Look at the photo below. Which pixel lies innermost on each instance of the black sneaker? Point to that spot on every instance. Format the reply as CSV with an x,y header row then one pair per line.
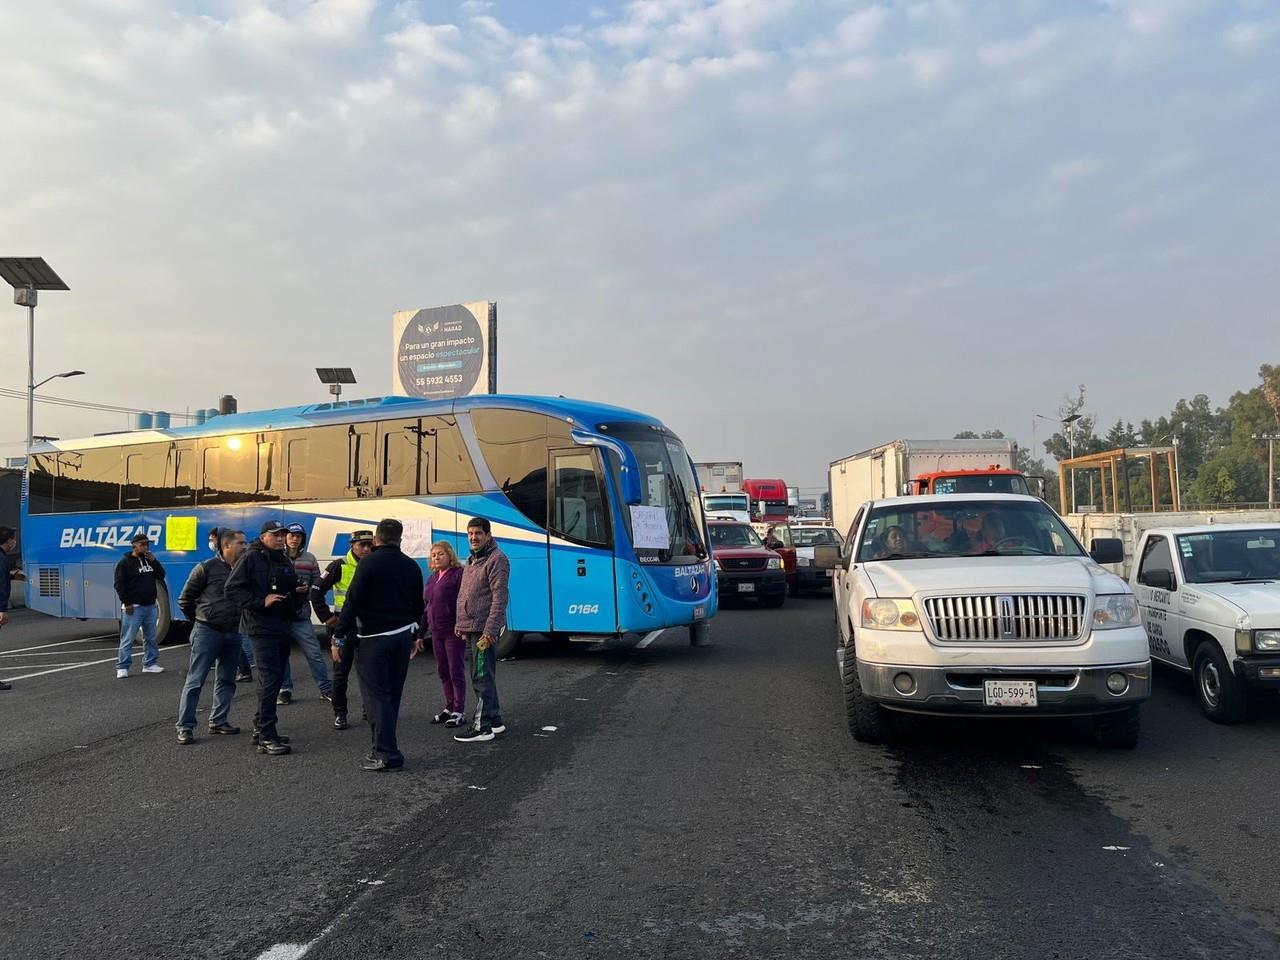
x,y
274,748
474,736
225,729
340,721
186,736
257,738
442,716
244,676
5,685
499,728
285,698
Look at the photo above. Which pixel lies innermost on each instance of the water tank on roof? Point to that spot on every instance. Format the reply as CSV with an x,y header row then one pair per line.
x,y
210,413
226,404
161,420
200,417
142,421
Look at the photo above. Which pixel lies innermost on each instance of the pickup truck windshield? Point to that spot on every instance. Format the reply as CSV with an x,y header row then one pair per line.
x,y
733,535
1224,556
972,528
815,537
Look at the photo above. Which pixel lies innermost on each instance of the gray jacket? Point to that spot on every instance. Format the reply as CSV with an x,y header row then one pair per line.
x,y
202,598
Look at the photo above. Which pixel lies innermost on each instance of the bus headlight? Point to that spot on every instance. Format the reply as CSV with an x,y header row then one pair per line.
x,y
1116,610
775,563
882,614
1267,641
716,563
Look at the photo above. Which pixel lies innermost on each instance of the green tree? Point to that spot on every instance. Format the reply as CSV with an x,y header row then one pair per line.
x,y
1237,471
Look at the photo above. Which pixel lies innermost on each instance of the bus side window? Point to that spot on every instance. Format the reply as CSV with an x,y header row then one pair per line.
x,y
515,447
579,510
361,459
295,466
230,470
268,486
88,480
446,465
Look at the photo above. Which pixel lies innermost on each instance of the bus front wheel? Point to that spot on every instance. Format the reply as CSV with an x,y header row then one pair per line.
x,y
508,641
169,630
699,633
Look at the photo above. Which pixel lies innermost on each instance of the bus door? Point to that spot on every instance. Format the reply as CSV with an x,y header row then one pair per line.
x,y
581,544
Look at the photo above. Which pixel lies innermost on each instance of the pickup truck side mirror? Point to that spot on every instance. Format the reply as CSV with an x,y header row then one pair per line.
x,y
1161,580
826,557
1106,550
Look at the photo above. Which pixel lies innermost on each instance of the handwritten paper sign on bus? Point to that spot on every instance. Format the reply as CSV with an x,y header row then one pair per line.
x,y
649,528
180,533
416,539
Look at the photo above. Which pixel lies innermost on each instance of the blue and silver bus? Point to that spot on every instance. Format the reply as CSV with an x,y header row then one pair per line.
x,y
596,506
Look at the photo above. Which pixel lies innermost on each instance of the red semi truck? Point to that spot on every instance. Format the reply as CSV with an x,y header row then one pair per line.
x,y
768,500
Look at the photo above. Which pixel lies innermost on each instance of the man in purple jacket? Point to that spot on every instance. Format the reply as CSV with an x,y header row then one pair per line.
x,y
482,616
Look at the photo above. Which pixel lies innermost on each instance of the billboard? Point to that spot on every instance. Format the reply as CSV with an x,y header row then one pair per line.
x,y
443,352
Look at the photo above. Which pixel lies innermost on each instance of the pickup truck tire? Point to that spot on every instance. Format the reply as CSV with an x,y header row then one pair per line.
x,y
868,721
1222,697
1117,730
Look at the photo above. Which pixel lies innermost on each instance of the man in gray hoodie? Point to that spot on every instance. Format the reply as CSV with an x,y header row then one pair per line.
x,y
304,632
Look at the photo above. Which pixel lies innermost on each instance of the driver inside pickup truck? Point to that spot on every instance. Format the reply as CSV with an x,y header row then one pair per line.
x,y
993,533
895,543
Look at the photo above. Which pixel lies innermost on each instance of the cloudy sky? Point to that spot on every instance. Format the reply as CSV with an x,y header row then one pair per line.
x,y
790,228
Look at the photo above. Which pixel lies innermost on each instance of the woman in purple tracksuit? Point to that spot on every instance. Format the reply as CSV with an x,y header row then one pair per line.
x,y
439,617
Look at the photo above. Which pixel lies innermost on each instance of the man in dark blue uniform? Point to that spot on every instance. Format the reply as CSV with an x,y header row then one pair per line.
x,y
382,611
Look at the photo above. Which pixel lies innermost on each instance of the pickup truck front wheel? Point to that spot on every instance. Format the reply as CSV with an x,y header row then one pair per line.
x,y
868,721
1117,730
1222,697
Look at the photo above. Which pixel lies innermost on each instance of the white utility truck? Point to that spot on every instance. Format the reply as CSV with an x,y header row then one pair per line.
x,y
727,506
983,604
1210,599
719,476
921,467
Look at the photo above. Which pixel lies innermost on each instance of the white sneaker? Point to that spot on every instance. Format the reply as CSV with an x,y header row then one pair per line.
x,y
121,674
500,728
154,668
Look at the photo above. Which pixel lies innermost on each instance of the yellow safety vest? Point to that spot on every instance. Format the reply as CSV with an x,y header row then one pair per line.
x,y
344,582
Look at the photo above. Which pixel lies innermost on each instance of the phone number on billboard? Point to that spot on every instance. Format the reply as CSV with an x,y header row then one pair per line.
x,y
437,381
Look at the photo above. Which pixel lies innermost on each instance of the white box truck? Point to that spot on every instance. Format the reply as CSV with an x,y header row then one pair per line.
x,y
922,467
721,476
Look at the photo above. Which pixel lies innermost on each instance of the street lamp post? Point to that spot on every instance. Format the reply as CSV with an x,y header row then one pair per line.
x,y
1070,424
27,275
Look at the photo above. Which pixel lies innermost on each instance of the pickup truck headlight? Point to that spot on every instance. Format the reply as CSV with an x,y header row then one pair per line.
x,y
1267,641
1116,610
882,614
775,563
803,562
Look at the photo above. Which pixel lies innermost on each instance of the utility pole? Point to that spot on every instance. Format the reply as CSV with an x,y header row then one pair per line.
x,y
1271,439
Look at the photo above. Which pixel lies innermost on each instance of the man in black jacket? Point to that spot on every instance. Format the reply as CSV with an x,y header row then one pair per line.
x,y
135,580
337,577
263,587
382,612
215,638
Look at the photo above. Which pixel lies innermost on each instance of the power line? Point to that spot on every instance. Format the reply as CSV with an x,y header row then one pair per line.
x,y
83,404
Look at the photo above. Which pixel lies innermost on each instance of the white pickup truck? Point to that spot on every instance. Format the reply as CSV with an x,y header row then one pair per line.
x,y
983,604
1210,599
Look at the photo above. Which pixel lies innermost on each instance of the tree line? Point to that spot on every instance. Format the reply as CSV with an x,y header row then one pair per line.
x,y
1220,463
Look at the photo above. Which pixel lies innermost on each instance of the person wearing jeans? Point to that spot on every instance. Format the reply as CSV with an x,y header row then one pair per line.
x,y
304,634
136,576
215,638
482,616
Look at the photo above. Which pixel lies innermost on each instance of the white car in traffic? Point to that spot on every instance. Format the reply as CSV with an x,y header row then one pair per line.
x,y
983,604
1210,599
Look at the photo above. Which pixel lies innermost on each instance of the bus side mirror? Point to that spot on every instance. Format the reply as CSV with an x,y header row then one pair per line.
x,y
826,557
629,470
1106,550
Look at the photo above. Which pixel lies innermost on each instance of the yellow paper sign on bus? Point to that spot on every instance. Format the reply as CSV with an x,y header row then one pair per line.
x,y
180,533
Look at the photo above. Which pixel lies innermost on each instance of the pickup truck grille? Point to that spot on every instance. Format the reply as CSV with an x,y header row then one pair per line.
x,y
753,563
1005,616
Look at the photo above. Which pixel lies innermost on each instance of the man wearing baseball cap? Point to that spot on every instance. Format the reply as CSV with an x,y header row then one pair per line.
x,y
337,577
136,576
263,585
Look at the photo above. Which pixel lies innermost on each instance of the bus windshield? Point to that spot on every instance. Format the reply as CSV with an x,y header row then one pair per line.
x,y
667,481
726,501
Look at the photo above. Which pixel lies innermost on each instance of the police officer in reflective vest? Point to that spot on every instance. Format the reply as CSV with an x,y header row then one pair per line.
x,y
337,577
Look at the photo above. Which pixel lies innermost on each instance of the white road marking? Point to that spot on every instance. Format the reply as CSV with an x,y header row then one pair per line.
x,y
63,643
44,653
650,637
549,729
1117,848
77,666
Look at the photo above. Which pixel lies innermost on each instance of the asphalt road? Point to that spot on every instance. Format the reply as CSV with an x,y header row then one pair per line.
x,y
660,802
